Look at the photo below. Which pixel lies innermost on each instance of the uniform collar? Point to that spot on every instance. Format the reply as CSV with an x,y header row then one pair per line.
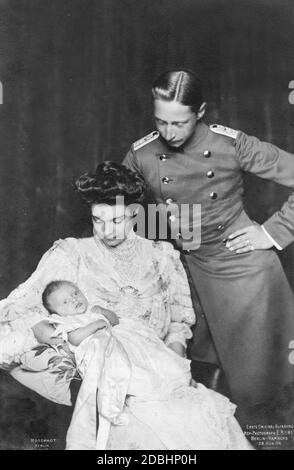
x,y
199,135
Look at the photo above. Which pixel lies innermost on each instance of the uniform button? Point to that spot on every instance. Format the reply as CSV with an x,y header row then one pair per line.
x,y
210,174
169,200
165,180
220,227
213,195
172,218
163,157
207,153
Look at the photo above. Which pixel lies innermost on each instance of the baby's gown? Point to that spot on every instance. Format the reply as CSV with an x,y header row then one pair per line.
x,y
144,398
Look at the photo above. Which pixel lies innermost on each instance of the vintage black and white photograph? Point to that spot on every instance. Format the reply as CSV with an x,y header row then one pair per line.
x,y
147,225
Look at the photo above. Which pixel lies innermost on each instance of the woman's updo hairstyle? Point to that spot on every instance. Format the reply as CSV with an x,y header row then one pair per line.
x,y
109,181
181,86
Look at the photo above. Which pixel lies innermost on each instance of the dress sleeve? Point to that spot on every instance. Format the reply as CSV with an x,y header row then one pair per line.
x,y
179,297
271,163
23,307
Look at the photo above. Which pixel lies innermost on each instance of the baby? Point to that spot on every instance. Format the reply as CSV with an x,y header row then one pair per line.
x,y
71,316
71,320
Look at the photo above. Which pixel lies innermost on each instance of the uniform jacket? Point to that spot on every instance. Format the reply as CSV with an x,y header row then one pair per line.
x,y
208,170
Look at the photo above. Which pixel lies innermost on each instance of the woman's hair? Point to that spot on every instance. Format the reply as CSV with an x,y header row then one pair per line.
x,y
109,181
181,86
49,289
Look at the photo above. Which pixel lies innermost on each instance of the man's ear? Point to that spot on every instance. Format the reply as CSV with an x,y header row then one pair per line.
x,y
201,111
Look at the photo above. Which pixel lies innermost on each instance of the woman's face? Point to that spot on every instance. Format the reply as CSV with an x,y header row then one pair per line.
x,y
112,224
174,121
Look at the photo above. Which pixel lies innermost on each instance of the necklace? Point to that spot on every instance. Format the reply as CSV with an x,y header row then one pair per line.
x,y
127,261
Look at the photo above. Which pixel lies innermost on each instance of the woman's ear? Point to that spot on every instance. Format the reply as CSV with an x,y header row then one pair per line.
x,y
136,211
201,111
132,210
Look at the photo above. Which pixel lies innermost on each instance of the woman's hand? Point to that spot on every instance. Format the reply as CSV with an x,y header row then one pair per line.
x,y
193,383
65,347
248,239
178,348
55,341
8,366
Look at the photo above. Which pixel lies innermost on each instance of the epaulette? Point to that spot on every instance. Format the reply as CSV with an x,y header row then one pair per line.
x,y
227,131
145,140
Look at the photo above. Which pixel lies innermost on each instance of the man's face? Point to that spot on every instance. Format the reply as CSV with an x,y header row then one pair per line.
x,y
111,224
67,300
174,121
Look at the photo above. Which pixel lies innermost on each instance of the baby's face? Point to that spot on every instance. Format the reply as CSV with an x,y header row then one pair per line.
x,y
68,300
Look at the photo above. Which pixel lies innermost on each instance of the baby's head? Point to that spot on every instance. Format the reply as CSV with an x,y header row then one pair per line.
x,y
64,298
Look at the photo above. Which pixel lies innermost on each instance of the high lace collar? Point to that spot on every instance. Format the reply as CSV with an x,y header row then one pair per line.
x,y
126,246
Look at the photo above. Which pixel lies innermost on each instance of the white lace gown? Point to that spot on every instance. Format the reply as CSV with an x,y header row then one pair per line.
x,y
144,398
142,281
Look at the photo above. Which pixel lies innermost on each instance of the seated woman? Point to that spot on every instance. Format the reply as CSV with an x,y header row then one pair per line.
x,y
142,281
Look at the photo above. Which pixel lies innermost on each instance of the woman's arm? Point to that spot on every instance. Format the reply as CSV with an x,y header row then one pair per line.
x,y
180,304
77,336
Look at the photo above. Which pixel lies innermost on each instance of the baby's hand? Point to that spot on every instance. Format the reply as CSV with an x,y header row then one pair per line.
x,y
108,314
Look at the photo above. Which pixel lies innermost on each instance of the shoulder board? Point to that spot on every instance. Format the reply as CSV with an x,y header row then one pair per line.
x,y
145,140
227,131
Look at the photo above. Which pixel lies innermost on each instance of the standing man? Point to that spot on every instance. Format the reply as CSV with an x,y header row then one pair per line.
x,y
247,301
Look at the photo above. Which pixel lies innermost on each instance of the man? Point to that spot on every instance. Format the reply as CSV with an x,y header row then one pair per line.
x,y
245,296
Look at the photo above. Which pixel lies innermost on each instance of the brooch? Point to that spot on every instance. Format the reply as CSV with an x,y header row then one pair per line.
x,y
129,290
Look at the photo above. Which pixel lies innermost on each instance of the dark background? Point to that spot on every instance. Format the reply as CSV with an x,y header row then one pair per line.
x,y
76,76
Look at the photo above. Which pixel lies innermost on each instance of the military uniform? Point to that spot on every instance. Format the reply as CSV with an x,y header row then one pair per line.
x,y
246,298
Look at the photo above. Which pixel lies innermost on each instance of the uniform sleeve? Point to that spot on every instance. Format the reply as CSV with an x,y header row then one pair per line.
x,y
179,298
23,307
271,163
131,161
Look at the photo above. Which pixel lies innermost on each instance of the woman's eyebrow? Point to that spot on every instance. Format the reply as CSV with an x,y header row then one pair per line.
x,y
118,217
113,219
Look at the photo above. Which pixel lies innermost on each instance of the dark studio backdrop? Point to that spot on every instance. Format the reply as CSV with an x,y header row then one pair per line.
x,y
76,79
